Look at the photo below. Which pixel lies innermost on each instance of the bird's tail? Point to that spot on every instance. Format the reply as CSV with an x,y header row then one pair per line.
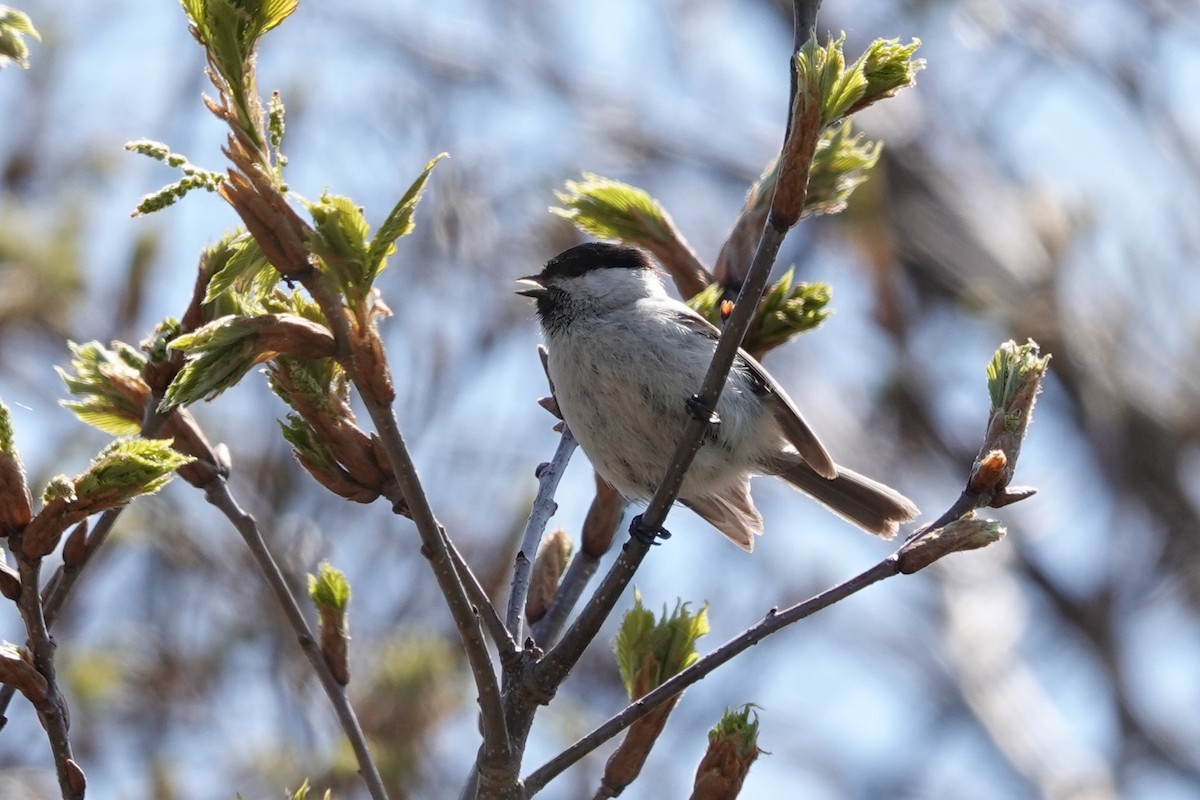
x,y
870,505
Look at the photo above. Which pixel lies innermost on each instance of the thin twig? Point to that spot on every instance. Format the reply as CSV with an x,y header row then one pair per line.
x,y
497,748
772,622
543,509
217,493
581,569
553,669
504,642
53,712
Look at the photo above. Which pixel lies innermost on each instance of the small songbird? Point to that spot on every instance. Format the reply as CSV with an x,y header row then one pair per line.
x,y
624,357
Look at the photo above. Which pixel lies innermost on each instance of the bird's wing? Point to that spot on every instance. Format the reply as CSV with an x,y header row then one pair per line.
x,y
795,429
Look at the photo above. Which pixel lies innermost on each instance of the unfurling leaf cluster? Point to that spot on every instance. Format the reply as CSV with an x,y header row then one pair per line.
x,y
329,587
125,469
1013,377
220,353
785,310
732,749
229,30
650,651
884,69
839,166
340,240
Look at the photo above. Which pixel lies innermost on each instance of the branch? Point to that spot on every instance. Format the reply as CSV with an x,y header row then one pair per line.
x,y
911,557
543,509
773,621
217,493
51,710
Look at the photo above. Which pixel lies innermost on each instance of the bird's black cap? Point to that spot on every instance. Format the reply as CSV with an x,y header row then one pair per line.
x,y
584,258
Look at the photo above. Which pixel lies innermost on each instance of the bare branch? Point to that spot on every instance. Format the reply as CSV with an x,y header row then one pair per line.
x,y
543,508
217,493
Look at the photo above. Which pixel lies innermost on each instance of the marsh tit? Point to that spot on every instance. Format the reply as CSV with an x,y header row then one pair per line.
x,y
624,357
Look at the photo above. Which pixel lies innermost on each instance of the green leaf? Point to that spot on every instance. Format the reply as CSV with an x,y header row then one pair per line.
x,y
399,222
241,275
339,240
839,166
1012,370
109,386
650,652
887,67
128,468
610,209
13,25
329,587
306,443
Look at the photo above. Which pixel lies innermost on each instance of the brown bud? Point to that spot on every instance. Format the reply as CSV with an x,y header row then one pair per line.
x,y
335,642
961,534
552,558
10,583
626,762
76,546
17,672
603,517
989,473
75,777
16,506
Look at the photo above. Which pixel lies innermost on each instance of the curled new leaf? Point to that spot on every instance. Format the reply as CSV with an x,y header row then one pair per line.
x,y
839,166
224,350
613,210
339,240
240,276
887,66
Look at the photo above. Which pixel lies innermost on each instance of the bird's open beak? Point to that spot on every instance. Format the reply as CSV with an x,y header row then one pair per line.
x,y
532,286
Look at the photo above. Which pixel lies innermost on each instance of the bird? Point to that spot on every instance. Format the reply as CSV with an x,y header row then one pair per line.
x,y
624,357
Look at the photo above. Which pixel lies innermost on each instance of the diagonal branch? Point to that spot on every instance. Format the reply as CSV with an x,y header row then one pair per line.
x,y
796,158
773,621
217,493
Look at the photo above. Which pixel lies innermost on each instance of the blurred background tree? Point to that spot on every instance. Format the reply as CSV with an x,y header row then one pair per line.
x,y
1038,182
